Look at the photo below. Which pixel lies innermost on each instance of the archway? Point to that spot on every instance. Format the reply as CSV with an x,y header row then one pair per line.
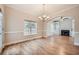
x,y
59,24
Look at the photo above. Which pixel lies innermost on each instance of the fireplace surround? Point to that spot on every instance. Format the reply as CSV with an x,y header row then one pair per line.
x,y
65,32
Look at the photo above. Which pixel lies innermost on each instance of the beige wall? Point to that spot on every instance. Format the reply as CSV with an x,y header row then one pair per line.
x,y
15,26
14,21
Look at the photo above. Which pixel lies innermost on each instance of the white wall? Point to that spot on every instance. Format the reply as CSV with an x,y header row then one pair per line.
x,y
66,24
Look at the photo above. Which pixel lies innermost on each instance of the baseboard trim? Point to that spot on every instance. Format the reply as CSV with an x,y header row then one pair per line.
x,y
20,41
14,32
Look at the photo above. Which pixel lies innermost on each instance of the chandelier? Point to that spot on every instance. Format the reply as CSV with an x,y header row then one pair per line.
x,y
44,16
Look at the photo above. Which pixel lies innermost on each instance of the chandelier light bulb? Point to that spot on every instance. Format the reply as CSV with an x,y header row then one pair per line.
x,y
44,16
48,17
40,17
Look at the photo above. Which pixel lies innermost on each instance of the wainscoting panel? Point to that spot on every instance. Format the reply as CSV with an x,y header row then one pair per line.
x,y
76,39
16,37
13,37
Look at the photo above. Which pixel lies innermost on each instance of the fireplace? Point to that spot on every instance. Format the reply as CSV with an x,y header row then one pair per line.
x,y
65,32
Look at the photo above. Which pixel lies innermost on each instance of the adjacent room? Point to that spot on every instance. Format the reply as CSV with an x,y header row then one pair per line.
x,y
39,29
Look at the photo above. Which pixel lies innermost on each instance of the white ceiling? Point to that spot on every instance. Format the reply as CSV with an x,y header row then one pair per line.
x,y
37,9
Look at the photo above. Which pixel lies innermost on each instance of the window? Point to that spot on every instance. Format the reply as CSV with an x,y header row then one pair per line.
x,y
30,27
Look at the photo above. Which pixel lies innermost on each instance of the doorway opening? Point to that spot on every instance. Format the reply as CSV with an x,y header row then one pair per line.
x,y
1,29
63,26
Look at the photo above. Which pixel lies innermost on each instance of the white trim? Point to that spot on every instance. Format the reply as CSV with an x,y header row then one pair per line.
x,y
14,32
77,44
14,42
76,32
76,39
73,27
2,32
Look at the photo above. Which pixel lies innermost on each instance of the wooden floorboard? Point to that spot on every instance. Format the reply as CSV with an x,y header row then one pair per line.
x,y
55,45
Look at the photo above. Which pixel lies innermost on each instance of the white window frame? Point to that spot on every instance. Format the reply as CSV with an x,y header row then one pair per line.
x,y
30,30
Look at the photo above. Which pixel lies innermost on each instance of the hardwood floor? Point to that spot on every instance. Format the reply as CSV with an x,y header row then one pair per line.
x,y
55,45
